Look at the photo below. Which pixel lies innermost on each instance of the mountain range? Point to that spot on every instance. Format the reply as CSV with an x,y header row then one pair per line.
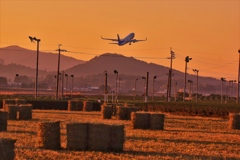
x,y
17,60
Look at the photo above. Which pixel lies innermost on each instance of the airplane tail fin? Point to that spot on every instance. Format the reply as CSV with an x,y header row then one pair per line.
x,y
118,37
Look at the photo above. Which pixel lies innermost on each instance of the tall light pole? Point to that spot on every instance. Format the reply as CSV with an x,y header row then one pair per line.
x,y
16,79
58,68
135,88
116,72
72,85
196,71
105,87
187,59
231,87
153,86
32,39
190,88
169,86
66,75
119,88
223,80
144,88
238,77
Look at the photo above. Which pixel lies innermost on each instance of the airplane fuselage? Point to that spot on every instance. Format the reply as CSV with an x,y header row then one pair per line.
x,y
127,39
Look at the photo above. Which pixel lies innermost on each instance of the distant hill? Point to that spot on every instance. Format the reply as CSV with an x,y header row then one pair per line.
x,y
25,57
11,70
131,66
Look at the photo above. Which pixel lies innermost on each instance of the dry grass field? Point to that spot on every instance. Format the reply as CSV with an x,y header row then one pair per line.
x,y
183,137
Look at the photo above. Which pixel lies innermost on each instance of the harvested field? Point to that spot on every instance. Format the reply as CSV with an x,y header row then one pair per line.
x,y
183,137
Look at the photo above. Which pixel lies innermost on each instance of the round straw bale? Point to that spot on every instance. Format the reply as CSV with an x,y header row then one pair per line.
x,y
87,106
98,137
8,101
234,120
48,135
122,112
3,121
106,112
156,121
77,136
7,149
140,120
117,137
21,101
25,111
12,111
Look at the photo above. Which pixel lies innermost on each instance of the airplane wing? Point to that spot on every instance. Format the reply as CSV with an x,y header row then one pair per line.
x,y
135,40
111,39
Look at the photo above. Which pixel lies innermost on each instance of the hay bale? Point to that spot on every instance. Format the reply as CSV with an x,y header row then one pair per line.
x,y
130,109
21,101
121,112
3,121
87,106
77,136
156,121
106,112
7,149
140,120
79,106
98,137
7,102
72,105
234,120
96,106
25,112
48,135
12,110
117,137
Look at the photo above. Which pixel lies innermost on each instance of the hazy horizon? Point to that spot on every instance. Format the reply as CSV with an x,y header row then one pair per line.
x,y
207,31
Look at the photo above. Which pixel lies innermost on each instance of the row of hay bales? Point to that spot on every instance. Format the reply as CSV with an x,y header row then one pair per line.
x,y
21,112
79,105
82,136
16,101
17,109
120,111
147,120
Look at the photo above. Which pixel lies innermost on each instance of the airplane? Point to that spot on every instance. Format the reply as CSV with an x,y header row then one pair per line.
x,y
129,39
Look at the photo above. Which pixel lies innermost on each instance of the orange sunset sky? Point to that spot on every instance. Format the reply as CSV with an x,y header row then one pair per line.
x,y
206,30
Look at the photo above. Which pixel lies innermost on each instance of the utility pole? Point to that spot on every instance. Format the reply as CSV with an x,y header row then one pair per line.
x,y
153,87
32,39
72,86
146,97
116,72
187,59
223,80
238,77
59,53
105,88
196,71
135,88
66,75
169,86
62,85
